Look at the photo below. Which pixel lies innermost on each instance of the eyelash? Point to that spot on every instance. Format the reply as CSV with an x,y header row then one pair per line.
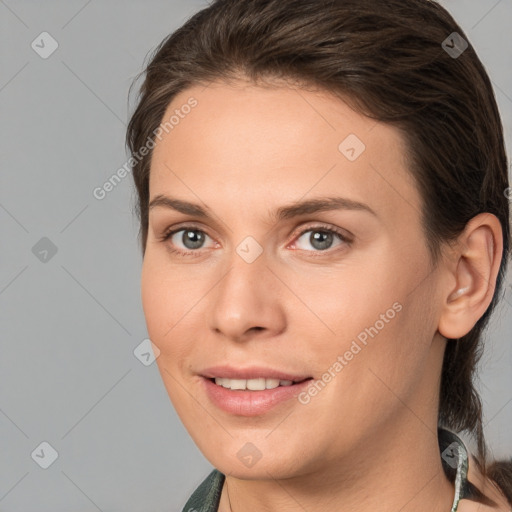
x,y
194,253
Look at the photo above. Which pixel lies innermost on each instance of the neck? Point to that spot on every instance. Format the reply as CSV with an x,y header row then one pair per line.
x,y
398,470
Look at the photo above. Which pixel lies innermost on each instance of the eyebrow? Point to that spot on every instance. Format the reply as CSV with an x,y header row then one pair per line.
x,y
282,213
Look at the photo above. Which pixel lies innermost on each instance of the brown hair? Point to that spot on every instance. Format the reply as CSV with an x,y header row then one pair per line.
x,y
388,60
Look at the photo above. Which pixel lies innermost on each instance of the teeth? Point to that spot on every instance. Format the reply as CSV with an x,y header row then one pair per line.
x,y
252,384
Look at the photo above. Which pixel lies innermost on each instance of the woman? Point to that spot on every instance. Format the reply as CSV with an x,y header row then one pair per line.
x,y
325,232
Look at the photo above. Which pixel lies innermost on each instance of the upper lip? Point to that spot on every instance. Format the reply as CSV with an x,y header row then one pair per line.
x,y
252,372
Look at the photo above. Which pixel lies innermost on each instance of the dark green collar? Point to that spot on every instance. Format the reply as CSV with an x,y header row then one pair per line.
x,y
206,497
454,457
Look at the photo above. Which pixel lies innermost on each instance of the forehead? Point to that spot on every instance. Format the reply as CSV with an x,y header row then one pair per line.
x,y
253,144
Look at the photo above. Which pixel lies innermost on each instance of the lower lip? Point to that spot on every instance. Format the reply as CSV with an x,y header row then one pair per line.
x,y
251,403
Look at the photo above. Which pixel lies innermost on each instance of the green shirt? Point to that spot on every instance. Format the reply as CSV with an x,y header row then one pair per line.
x,y
454,457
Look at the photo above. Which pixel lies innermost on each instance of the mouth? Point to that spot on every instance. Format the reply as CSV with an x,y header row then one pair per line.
x,y
255,384
251,392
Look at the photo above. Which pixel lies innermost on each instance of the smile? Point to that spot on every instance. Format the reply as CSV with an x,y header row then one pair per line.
x,y
253,396
259,384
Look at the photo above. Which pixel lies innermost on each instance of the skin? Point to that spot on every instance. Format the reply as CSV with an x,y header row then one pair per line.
x,y
368,439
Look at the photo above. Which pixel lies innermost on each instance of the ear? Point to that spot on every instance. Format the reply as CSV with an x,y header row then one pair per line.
x,y
474,269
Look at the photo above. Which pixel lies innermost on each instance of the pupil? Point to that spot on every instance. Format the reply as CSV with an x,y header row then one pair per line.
x,y
192,239
321,239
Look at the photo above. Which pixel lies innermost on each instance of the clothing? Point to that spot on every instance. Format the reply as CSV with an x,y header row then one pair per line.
x,y
454,457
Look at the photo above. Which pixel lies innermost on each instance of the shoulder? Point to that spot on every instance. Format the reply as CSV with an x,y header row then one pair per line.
x,y
487,487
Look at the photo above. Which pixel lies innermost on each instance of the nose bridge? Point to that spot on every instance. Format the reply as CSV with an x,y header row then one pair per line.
x,y
243,285
247,266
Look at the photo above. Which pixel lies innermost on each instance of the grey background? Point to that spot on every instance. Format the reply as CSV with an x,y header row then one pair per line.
x,y
69,325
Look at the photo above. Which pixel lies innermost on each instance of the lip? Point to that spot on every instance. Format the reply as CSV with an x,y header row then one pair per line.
x,y
250,403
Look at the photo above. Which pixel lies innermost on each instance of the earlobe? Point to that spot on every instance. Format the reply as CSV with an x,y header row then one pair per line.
x,y
478,258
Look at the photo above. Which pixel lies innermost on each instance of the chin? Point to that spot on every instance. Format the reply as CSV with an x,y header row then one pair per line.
x,y
256,459
261,470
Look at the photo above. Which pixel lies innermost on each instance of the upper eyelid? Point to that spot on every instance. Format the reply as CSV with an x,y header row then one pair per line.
x,y
299,230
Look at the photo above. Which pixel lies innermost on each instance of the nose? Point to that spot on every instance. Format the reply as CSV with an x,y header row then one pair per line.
x,y
247,301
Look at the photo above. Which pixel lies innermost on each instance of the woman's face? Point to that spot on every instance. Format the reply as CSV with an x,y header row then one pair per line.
x,y
253,286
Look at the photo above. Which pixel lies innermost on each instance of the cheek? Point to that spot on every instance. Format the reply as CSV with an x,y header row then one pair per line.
x,y
378,324
373,378
168,310
350,303
392,355
154,301
168,303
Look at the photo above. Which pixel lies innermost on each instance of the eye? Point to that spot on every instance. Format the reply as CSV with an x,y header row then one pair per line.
x,y
186,240
189,240
321,238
